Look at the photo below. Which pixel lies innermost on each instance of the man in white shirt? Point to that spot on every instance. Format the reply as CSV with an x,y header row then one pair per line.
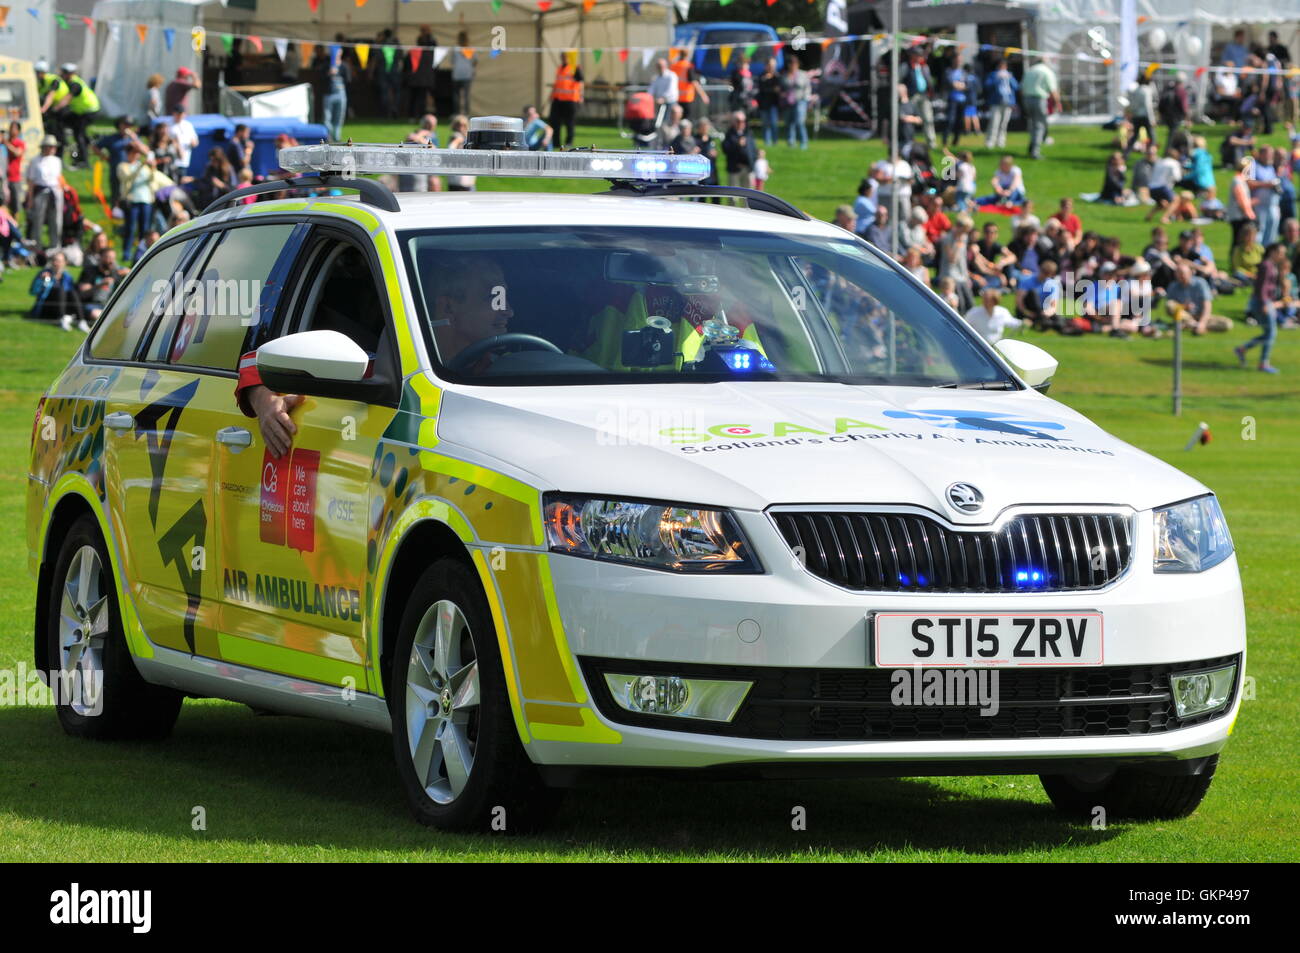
x,y
186,139
663,88
989,318
1165,175
45,194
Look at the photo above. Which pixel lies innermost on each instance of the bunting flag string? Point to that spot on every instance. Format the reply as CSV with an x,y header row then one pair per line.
x,y
727,52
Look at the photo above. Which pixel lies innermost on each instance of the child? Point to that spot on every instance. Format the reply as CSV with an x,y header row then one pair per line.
x,y
246,178
762,170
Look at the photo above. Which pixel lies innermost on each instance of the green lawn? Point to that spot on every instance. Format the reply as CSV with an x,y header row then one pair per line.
x,y
292,789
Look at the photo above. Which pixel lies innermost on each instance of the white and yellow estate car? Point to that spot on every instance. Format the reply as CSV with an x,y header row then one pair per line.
x,y
613,481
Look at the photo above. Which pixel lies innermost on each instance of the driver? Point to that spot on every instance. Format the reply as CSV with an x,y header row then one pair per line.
x,y
469,306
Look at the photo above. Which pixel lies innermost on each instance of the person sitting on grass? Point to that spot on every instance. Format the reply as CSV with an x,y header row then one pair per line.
x,y
1114,191
989,318
1189,300
98,279
1269,294
56,295
1246,255
1008,186
1038,298
1164,177
1142,169
1070,223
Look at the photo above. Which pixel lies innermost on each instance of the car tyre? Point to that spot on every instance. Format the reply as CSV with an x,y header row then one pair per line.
x,y
1130,793
111,701
457,748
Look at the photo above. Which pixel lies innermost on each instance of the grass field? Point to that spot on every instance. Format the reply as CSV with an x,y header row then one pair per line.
x,y
289,789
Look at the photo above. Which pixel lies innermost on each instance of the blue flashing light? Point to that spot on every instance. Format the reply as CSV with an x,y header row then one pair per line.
x,y
1030,577
744,360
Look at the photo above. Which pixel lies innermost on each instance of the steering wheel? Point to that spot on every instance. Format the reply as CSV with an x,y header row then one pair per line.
x,y
499,342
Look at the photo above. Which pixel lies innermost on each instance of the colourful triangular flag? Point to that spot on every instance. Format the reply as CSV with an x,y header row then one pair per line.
x,y
587,5
4,15
636,8
597,54
543,5
336,53
90,24
622,54
228,42
496,6
363,54
647,56
439,54
281,48
750,51
389,52
361,3
61,20
169,37
257,43
142,30
724,54
415,58
306,51
314,5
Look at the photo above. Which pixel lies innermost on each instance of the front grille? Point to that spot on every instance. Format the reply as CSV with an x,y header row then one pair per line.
x,y
806,704
902,552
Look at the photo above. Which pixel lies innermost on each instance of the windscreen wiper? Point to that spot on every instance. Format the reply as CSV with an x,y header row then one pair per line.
x,y
978,385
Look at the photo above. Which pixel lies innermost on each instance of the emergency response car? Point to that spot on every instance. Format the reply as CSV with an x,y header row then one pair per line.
x,y
612,481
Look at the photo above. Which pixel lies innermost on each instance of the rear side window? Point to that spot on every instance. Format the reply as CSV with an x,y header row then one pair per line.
x,y
226,300
118,332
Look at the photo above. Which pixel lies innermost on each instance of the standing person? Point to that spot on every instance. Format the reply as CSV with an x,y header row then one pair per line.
x,y
689,88
136,178
112,149
1000,92
1266,195
51,90
741,152
387,74
1173,108
763,171
1269,292
45,194
796,90
663,88
425,135
954,259
463,64
338,77
184,138
178,90
706,143
459,136
239,148
742,86
917,78
769,101
1039,90
566,96
420,80
1141,111
15,149
960,88
151,106
83,108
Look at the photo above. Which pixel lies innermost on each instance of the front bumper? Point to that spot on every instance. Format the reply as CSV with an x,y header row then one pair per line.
x,y
788,619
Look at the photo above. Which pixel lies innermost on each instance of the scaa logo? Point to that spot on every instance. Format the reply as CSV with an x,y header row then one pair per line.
x,y
1010,424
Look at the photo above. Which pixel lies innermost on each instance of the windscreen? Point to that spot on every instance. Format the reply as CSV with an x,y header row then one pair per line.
x,y
615,305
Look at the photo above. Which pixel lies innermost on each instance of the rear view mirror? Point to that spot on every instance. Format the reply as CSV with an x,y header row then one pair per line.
x,y
1034,365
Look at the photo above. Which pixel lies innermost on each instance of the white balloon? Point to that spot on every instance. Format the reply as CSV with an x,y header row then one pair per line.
x,y
1157,37
1193,45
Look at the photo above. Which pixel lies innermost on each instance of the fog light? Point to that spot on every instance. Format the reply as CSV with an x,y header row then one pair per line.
x,y
1198,692
679,697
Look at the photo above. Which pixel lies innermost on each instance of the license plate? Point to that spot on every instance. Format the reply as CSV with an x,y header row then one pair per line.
x,y
909,639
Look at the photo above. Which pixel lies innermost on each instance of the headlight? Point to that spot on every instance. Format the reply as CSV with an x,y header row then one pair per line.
x,y
1191,536
658,535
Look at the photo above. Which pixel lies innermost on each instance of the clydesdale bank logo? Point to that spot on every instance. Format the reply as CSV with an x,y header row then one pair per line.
x,y
76,906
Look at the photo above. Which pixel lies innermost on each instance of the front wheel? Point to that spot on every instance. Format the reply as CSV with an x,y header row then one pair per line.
x,y
1130,793
458,751
99,691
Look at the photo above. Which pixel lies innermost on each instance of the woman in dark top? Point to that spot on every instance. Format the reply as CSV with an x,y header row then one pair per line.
x,y
1113,189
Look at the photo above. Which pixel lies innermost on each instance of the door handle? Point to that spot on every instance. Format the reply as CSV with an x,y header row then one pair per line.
x,y
119,420
237,438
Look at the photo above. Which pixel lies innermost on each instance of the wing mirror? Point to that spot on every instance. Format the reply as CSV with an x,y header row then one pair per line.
x,y
1034,365
321,364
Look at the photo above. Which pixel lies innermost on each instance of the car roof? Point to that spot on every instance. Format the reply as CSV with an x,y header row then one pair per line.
x,y
514,209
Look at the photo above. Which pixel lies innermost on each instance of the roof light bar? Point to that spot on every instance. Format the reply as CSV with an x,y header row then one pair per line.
x,y
415,159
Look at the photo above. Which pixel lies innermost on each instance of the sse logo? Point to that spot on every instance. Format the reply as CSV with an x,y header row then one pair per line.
x,y
779,428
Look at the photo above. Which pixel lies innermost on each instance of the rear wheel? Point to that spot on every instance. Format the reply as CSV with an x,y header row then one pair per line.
x,y
100,692
1130,793
458,751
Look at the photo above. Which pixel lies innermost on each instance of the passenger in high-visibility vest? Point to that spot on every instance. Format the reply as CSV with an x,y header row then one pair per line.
x,y
83,108
566,96
52,91
689,88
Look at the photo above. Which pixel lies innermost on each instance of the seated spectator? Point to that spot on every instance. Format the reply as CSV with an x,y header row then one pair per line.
x,y
1196,253
1038,298
954,259
990,262
1189,300
1164,177
989,318
912,234
913,263
1055,237
1085,257
1142,169
538,135
1200,176
877,232
937,223
98,279
864,206
1237,144
56,296
1008,185
1069,221
965,175
1246,255
1025,249
1026,217
946,288
1141,299
844,216
1158,255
